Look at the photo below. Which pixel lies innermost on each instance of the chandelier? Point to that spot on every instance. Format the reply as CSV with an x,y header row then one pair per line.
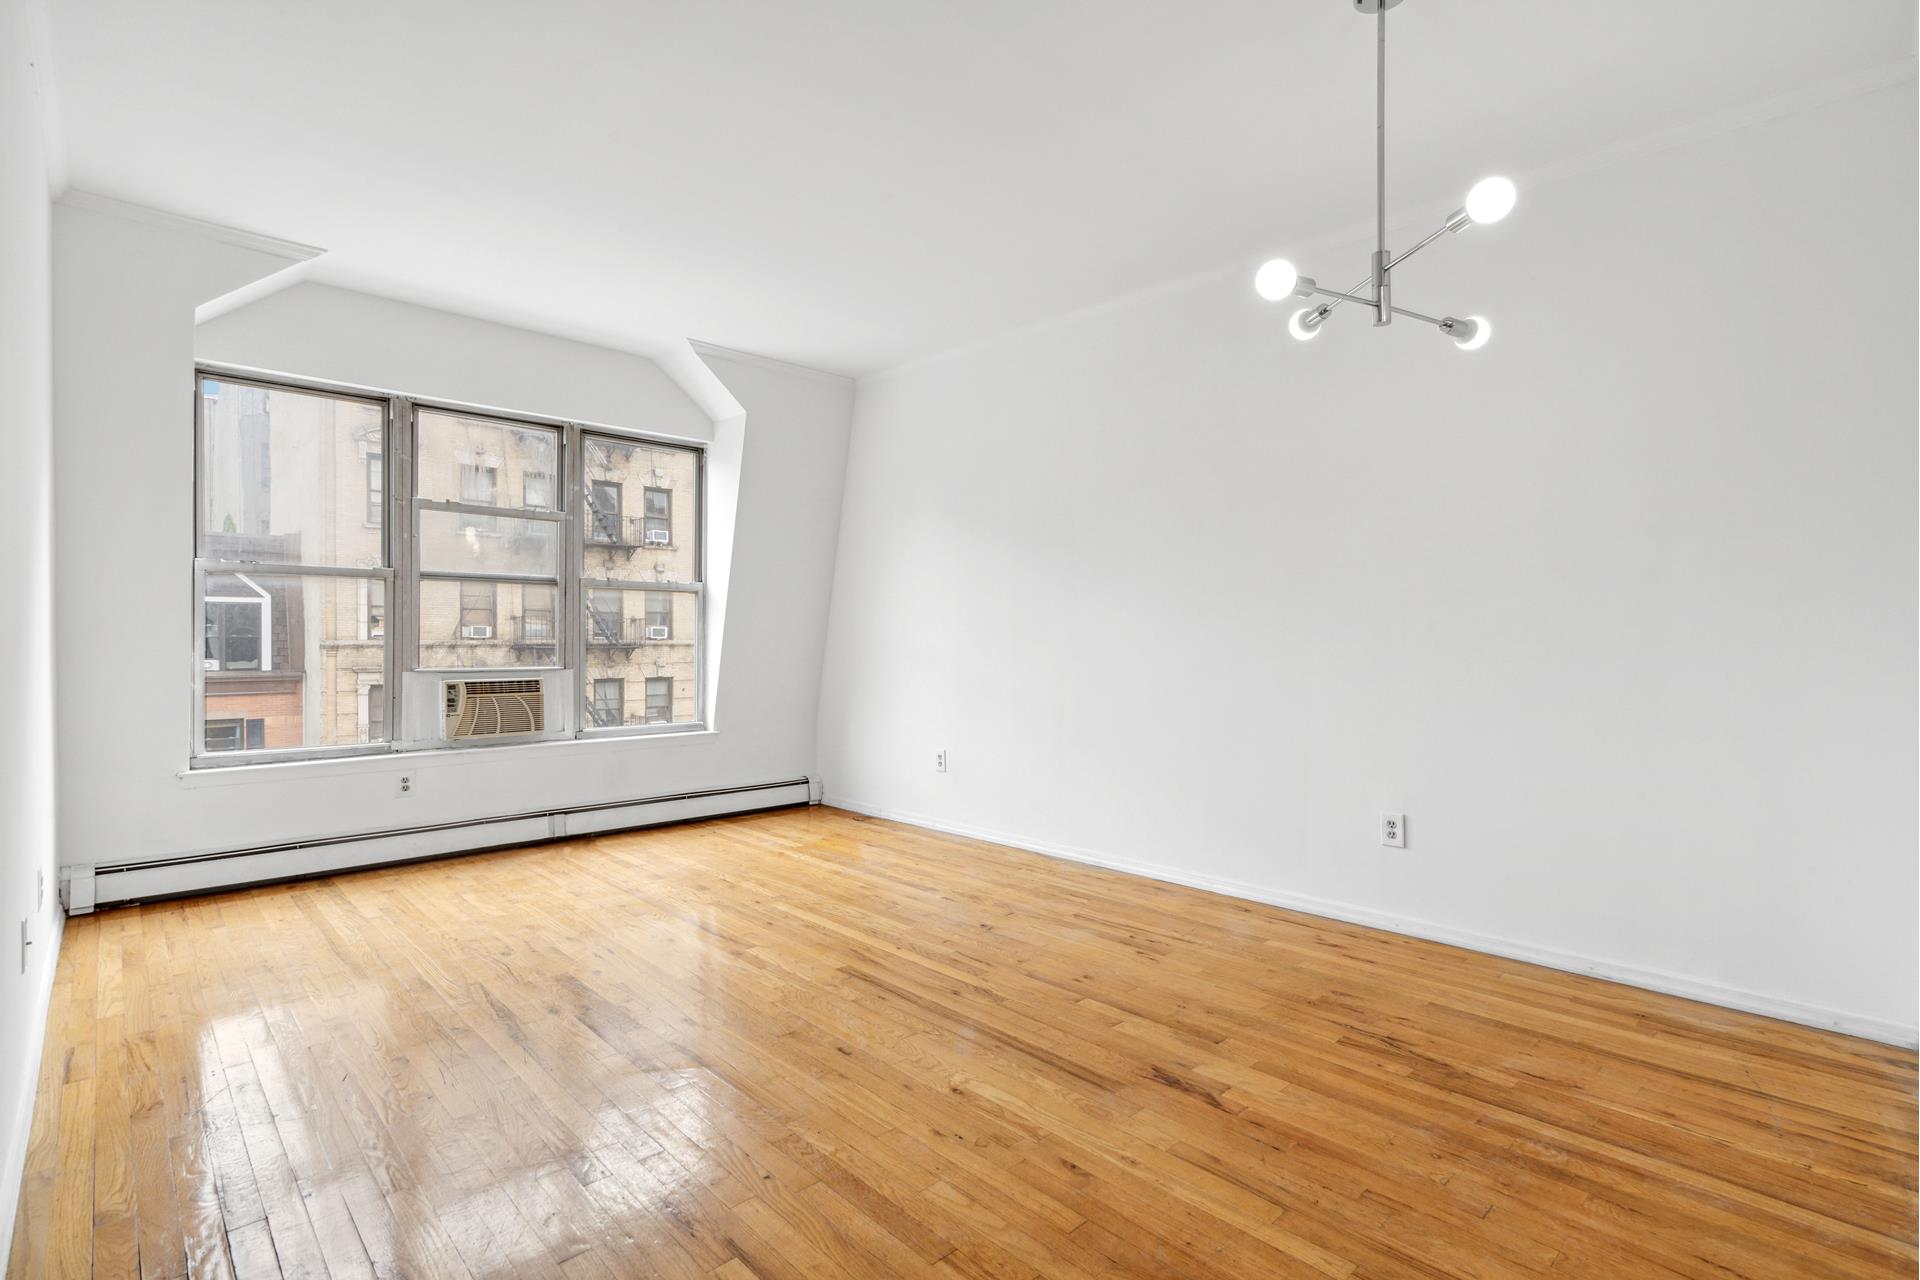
x,y
1490,200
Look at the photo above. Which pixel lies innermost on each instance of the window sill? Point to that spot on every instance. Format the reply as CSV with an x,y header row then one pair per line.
x,y
426,758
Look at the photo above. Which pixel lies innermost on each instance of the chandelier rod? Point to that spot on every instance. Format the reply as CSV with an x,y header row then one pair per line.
x,y
1380,134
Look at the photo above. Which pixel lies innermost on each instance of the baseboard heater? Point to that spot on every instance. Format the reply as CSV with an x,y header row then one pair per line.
x,y
86,888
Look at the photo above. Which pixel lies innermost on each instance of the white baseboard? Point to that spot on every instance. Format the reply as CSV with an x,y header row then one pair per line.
x,y
21,1127
85,887
1673,984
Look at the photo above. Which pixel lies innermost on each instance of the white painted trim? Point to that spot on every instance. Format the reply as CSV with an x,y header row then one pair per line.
x,y
14,1169
1673,984
291,250
248,294
715,351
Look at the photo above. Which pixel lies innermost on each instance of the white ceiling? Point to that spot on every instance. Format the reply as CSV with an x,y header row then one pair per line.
x,y
853,183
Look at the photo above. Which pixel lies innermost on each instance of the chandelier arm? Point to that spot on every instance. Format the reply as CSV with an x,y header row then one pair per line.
x,y
1415,315
1454,223
1344,297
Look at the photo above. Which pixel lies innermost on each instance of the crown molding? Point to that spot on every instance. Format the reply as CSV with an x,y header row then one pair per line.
x,y
274,246
718,352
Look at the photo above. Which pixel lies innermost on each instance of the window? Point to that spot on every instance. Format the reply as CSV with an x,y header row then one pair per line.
x,y
659,518
479,609
376,489
659,615
478,568
477,483
609,707
235,628
605,617
536,615
659,699
236,735
536,490
643,594
290,565
603,500
518,554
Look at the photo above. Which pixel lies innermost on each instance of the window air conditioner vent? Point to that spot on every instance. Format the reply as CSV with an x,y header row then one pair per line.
x,y
658,633
479,632
658,538
494,708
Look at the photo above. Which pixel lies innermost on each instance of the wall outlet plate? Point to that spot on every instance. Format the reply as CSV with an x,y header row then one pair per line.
x,y
940,761
1393,830
404,785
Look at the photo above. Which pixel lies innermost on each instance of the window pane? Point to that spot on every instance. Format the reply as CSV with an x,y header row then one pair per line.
x,y
461,543
607,702
624,644
659,699
461,459
487,624
643,517
289,477
287,661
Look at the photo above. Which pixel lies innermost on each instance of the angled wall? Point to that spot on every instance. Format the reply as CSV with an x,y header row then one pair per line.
x,y
1619,611
125,313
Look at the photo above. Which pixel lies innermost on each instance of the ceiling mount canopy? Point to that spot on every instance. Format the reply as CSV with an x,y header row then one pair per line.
x,y
1490,200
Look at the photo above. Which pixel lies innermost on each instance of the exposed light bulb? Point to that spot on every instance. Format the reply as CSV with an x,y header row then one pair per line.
x,y
1470,334
1299,327
1275,279
1491,200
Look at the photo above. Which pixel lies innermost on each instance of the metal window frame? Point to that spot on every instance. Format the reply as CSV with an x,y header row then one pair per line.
x,y
559,515
401,567
198,757
697,587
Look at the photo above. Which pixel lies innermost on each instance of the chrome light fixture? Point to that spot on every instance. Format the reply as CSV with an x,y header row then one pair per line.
x,y
1490,200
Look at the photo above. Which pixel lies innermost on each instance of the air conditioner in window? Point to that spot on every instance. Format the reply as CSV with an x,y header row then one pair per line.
x,y
480,632
658,538
659,633
494,708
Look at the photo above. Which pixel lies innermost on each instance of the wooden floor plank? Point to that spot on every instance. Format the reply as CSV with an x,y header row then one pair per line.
x,y
810,1044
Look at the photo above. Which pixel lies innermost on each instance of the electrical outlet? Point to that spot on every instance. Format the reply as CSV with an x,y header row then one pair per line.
x,y
940,761
25,942
39,886
405,785
1393,830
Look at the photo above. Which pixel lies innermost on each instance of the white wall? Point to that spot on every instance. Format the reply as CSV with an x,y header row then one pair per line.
x,y
1620,611
26,641
125,343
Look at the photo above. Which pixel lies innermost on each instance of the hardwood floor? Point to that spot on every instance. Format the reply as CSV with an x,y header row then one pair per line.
x,y
808,1044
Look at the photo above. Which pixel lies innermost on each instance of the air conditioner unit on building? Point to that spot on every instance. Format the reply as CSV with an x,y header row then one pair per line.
x,y
659,633
479,632
658,537
494,708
